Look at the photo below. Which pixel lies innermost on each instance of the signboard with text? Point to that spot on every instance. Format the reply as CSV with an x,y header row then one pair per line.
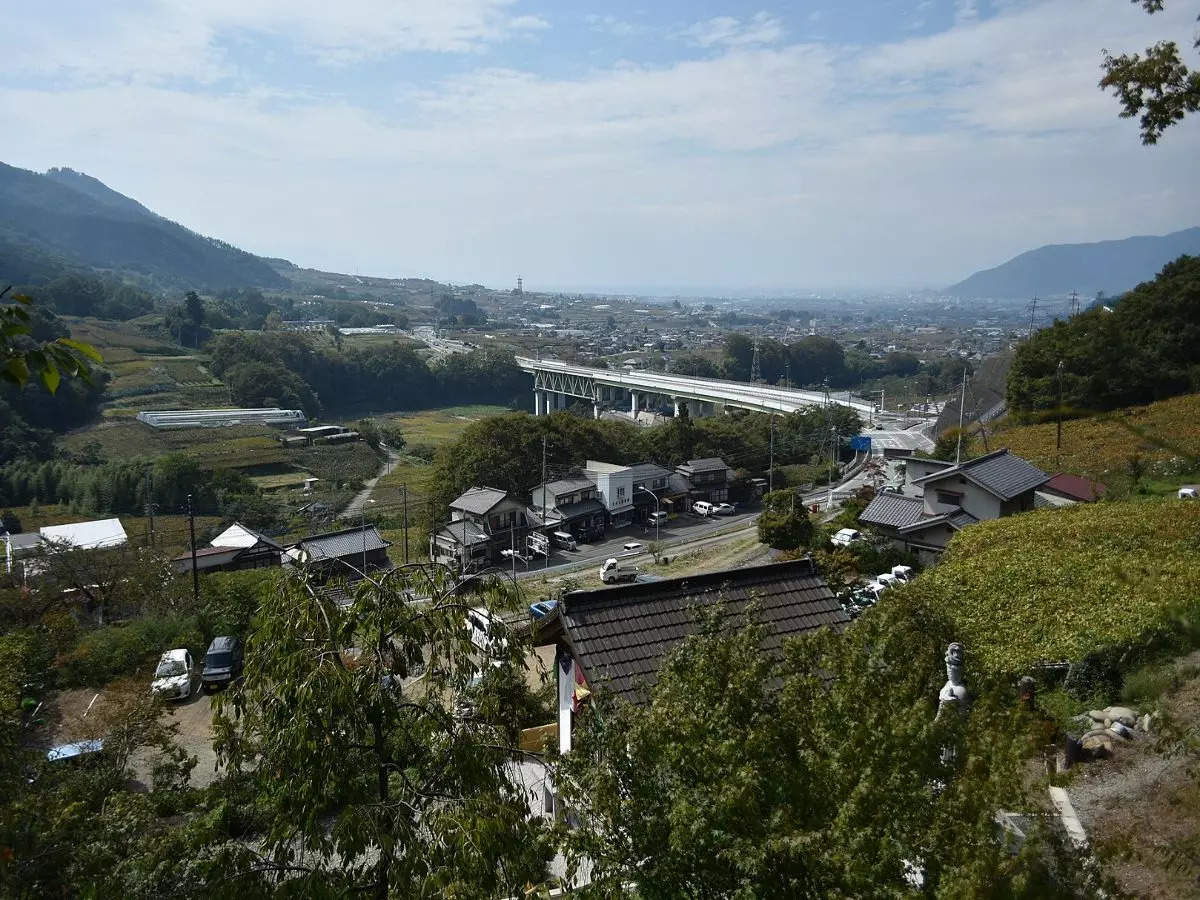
x,y
860,442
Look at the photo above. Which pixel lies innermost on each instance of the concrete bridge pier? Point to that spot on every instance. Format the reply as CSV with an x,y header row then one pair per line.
x,y
677,405
539,403
633,404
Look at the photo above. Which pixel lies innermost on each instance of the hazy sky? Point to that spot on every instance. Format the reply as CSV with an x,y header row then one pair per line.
x,y
703,144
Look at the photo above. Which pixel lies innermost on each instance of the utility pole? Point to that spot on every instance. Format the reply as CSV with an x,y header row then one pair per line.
x,y
771,469
1058,436
404,488
195,571
150,502
962,405
544,517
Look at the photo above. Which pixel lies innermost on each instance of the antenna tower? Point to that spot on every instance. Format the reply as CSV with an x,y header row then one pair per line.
x,y
520,285
1032,307
755,365
1074,302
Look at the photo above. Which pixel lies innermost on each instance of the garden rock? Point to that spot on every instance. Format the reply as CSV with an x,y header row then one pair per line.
x,y
1108,715
1122,730
1098,742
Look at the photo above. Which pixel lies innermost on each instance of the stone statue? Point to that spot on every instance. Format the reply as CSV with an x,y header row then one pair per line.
x,y
954,692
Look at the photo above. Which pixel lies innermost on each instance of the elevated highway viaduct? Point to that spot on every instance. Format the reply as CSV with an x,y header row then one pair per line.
x,y
554,382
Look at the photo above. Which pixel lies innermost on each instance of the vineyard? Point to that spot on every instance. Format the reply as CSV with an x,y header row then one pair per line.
x,y
1062,584
1164,436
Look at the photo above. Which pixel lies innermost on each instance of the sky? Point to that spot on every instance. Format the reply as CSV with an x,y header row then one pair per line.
x,y
678,146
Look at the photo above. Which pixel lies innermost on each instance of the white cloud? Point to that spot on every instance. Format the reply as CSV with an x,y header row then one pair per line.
x,y
803,164
965,11
726,31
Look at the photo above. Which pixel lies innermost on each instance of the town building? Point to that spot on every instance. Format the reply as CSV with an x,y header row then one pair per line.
x,y
709,478
614,484
234,549
570,504
484,522
349,553
618,637
942,498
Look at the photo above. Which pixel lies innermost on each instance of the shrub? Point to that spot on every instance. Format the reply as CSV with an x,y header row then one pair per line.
x,y
115,650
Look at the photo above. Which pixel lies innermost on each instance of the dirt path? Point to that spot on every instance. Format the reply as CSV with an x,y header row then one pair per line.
x,y
360,500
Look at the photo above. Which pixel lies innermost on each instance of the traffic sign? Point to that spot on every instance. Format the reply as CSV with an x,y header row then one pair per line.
x,y
861,442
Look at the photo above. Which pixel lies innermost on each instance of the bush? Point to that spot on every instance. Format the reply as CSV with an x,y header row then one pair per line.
x,y
114,650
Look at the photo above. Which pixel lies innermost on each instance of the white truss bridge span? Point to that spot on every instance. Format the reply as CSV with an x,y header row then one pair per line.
x,y
554,382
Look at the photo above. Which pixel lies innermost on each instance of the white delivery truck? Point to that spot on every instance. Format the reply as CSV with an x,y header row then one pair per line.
x,y
615,570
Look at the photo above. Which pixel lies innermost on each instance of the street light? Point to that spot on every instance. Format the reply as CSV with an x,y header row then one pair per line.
x,y
657,517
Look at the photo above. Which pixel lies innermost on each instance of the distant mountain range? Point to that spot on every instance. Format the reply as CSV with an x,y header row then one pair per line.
x,y
1110,266
66,221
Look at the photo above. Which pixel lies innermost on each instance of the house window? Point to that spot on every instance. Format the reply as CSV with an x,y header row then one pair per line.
x,y
620,493
949,499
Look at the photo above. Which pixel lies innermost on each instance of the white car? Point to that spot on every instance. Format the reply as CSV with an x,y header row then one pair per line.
x,y
632,547
845,537
904,573
173,677
723,509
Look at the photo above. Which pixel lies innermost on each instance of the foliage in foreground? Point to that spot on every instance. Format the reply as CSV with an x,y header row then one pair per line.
x,y
1068,583
836,784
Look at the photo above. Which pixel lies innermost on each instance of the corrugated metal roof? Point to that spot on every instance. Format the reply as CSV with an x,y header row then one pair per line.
x,y
648,471
87,535
479,500
338,544
893,510
561,486
1000,472
708,464
621,635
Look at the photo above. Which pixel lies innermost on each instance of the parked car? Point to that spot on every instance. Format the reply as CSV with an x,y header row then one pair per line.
x,y
904,573
724,509
657,518
1189,493
542,608
887,579
222,663
702,508
632,547
78,751
173,677
486,633
564,540
615,570
845,537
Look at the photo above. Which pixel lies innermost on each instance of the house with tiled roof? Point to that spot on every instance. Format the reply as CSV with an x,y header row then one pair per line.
x,y
348,553
951,497
570,504
709,478
484,522
252,551
614,640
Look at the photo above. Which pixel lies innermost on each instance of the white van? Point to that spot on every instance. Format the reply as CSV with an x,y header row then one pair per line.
x,y
702,508
564,540
904,573
845,537
657,518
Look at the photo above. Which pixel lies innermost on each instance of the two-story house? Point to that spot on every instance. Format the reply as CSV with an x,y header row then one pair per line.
x,y
951,498
350,553
570,504
709,478
614,484
484,522
649,481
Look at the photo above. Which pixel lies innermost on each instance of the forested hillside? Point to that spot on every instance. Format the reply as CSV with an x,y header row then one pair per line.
x,y
1143,347
63,221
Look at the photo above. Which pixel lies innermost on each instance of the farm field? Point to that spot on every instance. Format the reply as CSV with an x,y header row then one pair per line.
x,y
170,529
1101,447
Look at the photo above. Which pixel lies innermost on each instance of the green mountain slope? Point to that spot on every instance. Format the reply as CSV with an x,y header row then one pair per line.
x,y
1109,266
64,219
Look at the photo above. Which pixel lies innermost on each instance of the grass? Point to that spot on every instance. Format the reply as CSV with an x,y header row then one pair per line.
x,y
283,480
1164,435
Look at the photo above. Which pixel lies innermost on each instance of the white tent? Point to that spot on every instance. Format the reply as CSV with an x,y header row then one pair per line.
x,y
87,535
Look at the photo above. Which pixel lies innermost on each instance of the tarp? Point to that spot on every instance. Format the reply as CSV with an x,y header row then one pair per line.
x,y
87,535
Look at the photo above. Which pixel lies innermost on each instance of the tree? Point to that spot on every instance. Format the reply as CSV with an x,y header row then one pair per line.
x,y
1158,86
784,522
377,765
20,357
194,307
821,771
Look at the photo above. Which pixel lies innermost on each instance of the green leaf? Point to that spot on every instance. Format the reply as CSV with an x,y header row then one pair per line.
x,y
50,376
80,347
16,370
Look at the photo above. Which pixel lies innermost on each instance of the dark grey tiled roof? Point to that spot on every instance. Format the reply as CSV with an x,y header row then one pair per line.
x,y
957,518
464,532
621,635
337,544
708,464
893,510
961,519
478,500
582,508
1000,472
560,486
678,484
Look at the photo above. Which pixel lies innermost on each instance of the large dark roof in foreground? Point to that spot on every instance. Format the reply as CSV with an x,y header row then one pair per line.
x,y
621,635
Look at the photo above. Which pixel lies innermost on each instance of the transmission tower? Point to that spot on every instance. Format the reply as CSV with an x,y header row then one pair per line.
x,y
755,365
1074,302
1032,307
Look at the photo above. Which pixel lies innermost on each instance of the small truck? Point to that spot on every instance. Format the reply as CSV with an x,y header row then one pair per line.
x,y
615,570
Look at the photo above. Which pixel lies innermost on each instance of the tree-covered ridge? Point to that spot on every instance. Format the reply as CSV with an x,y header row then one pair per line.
x,y
68,217
291,370
1143,347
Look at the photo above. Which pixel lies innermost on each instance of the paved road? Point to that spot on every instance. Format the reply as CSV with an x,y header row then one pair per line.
x,y
356,505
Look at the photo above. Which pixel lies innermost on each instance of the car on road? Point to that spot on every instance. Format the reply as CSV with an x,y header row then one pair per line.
x,y
724,509
702,508
657,518
174,675
222,663
615,570
633,547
